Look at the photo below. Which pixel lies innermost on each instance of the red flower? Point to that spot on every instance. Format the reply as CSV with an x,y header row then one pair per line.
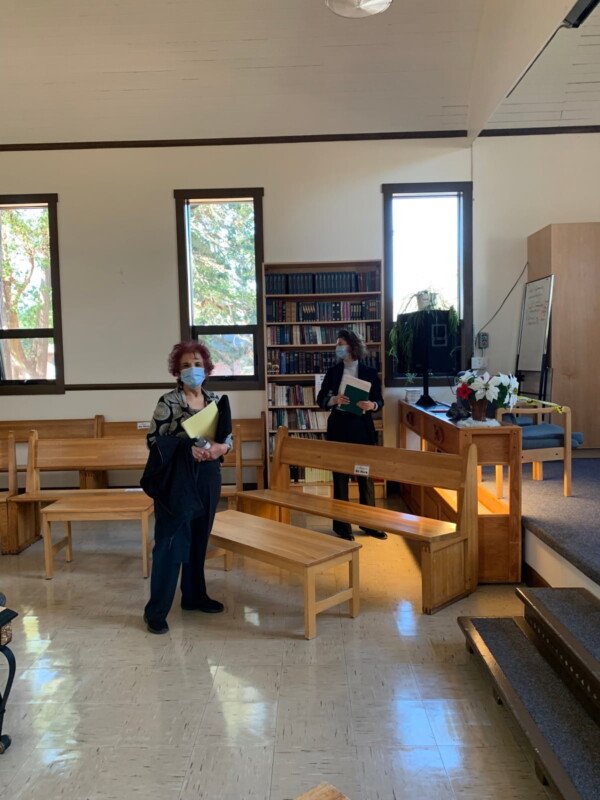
x,y
463,391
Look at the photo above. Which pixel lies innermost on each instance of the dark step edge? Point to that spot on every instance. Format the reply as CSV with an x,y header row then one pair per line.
x,y
547,764
567,655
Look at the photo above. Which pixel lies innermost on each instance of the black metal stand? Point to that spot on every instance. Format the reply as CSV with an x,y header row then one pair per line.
x,y
5,617
426,401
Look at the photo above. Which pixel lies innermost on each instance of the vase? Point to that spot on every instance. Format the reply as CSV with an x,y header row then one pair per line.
x,y
478,408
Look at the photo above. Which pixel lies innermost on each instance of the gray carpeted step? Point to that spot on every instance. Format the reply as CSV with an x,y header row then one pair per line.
x,y
567,622
575,609
563,735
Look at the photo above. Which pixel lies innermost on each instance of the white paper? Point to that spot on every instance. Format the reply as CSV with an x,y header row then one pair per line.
x,y
348,380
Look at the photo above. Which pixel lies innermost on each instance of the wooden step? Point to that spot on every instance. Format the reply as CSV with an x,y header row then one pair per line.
x,y
567,622
564,737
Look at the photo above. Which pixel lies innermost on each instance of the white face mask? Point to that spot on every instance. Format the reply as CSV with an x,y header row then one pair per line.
x,y
341,351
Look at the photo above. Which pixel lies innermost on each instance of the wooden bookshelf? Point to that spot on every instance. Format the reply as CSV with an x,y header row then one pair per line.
x,y
305,306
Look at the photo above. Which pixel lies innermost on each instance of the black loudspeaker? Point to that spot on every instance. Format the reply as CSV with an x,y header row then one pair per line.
x,y
435,344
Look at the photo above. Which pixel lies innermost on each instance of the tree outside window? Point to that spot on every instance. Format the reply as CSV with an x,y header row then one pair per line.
x,y
220,257
30,335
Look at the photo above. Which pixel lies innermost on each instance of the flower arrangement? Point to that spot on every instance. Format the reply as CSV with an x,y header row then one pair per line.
x,y
483,389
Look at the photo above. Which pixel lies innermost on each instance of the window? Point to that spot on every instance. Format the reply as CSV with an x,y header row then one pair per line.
x,y
30,326
220,255
428,264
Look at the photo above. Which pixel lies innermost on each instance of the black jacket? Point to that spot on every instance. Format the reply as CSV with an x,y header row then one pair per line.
x,y
170,479
342,426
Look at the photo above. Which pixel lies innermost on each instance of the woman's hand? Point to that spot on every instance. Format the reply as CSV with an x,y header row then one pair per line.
x,y
215,451
367,405
339,400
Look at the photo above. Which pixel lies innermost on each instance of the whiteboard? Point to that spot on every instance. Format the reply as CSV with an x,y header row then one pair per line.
x,y
535,322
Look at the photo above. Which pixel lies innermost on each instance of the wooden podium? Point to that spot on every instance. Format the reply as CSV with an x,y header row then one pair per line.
x,y
499,520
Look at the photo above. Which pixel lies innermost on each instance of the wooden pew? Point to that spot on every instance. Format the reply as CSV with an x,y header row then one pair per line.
x,y
306,553
245,431
54,429
64,455
248,431
449,552
324,791
8,515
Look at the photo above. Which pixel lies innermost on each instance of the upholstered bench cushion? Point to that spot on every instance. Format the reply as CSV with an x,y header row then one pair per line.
x,y
547,435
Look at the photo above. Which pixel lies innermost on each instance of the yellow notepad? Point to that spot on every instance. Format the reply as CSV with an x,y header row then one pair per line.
x,y
203,424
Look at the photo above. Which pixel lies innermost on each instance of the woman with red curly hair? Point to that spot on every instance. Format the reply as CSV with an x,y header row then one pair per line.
x,y
186,487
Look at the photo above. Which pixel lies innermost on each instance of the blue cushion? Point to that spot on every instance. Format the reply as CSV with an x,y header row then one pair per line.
x,y
547,435
544,430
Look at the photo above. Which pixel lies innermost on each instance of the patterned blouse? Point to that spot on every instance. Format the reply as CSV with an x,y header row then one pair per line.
x,y
171,411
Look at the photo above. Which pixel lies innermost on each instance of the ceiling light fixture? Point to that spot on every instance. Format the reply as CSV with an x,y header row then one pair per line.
x,y
357,8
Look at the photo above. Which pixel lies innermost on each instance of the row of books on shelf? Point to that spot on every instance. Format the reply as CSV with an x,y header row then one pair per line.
x,y
287,362
302,419
322,282
310,475
320,334
322,310
282,395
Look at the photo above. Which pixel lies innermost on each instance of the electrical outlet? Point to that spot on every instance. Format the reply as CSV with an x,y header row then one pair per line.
x,y
478,362
483,340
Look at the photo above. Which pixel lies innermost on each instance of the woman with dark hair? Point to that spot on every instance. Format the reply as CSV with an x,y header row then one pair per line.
x,y
184,478
347,427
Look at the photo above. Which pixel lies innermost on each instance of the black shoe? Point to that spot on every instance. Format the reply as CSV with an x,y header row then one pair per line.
x,y
158,629
374,534
348,536
208,606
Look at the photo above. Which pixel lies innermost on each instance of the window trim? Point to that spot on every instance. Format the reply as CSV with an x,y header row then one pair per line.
x,y
189,331
41,386
465,191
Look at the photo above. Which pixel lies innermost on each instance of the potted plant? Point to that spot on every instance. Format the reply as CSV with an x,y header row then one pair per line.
x,y
479,390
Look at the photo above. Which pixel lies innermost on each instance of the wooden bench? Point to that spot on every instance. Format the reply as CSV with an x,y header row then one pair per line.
x,y
53,429
298,550
251,431
64,455
449,551
324,791
99,506
8,516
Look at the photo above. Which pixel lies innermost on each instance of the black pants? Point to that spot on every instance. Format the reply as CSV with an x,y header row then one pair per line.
x,y
166,563
366,493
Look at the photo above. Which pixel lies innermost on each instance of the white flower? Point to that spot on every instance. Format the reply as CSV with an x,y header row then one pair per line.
x,y
485,386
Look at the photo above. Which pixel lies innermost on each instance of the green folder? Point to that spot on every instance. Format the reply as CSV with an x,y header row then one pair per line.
x,y
355,395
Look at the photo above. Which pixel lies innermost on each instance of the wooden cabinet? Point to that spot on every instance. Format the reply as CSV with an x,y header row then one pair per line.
x,y
571,252
499,521
305,306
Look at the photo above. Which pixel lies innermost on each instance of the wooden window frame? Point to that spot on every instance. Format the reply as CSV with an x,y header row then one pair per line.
x,y
464,189
189,331
41,386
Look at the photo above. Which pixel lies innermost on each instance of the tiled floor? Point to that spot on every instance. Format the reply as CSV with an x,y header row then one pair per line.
x,y
239,705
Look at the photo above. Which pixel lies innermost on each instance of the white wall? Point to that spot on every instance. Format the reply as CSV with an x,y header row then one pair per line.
x,y
118,248
522,184
322,202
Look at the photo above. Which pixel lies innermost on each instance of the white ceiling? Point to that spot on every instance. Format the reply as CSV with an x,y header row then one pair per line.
x,y
101,70
563,86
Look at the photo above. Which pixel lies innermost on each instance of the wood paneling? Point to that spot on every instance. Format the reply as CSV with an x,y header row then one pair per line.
x,y
571,252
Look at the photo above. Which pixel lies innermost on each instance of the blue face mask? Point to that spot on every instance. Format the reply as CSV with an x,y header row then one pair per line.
x,y
192,376
341,351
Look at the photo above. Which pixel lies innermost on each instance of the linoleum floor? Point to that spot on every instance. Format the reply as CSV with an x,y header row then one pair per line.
x,y
239,706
